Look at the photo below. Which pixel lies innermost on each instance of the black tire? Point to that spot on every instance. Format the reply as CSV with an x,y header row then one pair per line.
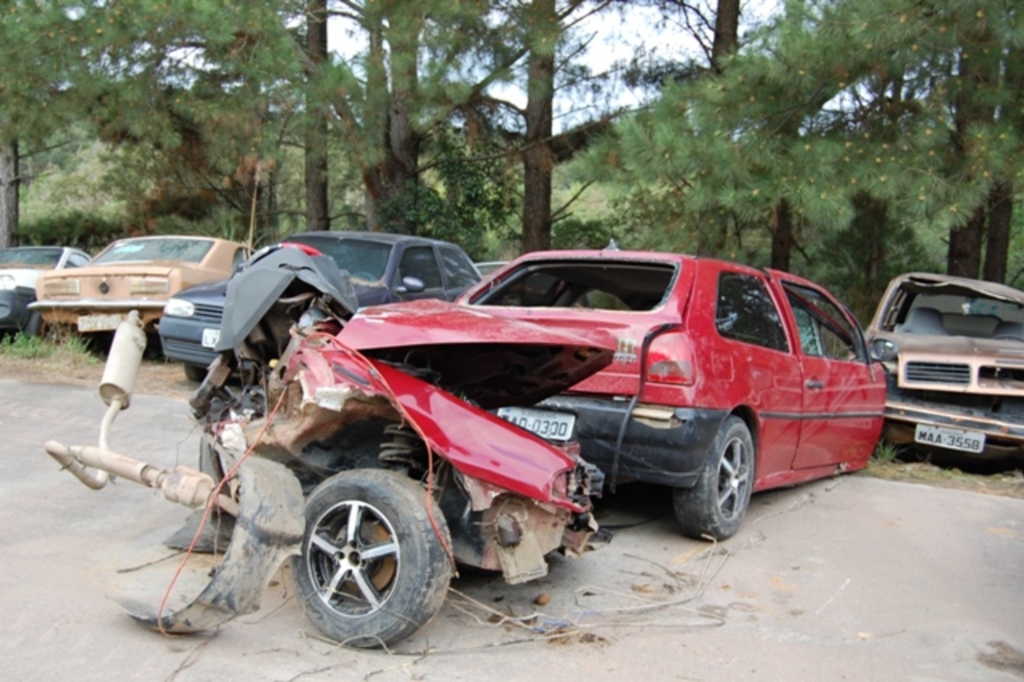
x,y
369,583
716,504
194,373
34,326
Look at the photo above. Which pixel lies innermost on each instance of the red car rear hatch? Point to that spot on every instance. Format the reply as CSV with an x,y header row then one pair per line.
x,y
490,359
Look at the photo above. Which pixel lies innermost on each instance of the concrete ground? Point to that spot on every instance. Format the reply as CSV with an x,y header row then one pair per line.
x,y
850,578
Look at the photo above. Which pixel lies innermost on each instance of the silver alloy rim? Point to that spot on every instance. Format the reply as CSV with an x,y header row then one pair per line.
x,y
354,559
733,478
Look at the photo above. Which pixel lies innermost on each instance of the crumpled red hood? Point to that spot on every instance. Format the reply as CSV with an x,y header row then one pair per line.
x,y
489,359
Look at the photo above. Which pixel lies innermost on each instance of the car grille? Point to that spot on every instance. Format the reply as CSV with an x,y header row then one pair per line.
x,y
208,313
938,373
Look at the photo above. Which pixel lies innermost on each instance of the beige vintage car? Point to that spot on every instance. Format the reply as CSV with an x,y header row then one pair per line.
x,y
138,273
954,351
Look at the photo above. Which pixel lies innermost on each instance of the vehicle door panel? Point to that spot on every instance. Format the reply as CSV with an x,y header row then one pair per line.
x,y
841,398
741,316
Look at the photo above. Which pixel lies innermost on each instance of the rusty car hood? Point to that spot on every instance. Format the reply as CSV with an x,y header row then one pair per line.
x,y
491,359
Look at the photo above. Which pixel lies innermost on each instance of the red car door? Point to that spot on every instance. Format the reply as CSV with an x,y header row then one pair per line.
x,y
748,359
843,392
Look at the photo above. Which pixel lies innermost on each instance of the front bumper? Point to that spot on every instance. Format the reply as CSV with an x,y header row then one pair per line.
x,y
14,312
68,312
1004,431
661,445
182,340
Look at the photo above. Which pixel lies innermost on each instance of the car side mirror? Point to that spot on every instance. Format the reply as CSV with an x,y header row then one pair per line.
x,y
410,285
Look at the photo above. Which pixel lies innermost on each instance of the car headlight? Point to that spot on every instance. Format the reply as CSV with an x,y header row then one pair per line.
x,y
179,307
884,350
7,283
146,286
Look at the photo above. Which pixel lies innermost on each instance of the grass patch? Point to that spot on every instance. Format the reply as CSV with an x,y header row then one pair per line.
x,y
886,451
1008,483
67,350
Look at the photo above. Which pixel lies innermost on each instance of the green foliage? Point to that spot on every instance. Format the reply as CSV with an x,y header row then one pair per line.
x,y
576,233
886,451
74,181
471,199
69,348
86,231
832,107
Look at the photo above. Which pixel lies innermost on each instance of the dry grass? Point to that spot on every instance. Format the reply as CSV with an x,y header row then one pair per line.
x,y
1008,483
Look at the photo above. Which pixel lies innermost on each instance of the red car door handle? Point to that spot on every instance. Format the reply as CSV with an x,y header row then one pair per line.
x,y
814,385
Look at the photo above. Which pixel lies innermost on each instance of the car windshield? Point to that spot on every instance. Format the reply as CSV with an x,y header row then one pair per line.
x,y
596,284
961,314
159,248
365,260
31,257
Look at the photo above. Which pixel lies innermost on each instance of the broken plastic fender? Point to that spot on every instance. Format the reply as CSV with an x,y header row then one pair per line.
x,y
267,531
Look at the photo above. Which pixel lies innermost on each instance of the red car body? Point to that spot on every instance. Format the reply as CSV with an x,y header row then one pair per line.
x,y
699,341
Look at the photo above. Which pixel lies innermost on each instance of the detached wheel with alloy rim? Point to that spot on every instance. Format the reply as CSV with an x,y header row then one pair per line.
x,y
373,568
715,506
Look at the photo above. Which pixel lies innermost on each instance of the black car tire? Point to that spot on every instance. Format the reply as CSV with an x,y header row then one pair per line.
x,y
715,506
194,373
34,326
378,579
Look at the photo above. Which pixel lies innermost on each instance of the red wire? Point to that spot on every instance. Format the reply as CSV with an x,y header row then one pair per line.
x,y
368,366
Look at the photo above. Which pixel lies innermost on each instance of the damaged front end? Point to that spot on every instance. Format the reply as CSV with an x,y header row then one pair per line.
x,y
366,446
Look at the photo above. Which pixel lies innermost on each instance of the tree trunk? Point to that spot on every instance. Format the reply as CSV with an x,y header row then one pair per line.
x,y
8,192
978,71
727,23
317,210
402,152
964,255
537,157
782,236
1000,216
391,178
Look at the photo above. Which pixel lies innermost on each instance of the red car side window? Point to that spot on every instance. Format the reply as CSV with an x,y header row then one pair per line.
x,y
745,312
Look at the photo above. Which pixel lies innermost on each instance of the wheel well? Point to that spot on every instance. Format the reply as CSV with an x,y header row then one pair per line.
x,y
749,418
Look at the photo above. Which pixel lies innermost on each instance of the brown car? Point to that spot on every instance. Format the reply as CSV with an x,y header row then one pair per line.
x,y
954,351
133,274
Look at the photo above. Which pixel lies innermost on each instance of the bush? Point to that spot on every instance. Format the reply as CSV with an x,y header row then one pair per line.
x,y
86,232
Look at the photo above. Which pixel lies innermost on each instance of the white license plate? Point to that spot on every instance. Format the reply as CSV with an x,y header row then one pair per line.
x,y
98,323
954,439
211,337
556,426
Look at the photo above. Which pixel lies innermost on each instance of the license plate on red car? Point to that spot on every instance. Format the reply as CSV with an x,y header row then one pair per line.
x,y
549,425
953,439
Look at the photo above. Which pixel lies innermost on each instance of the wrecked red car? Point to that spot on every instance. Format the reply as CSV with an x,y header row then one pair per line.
x,y
726,379
366,448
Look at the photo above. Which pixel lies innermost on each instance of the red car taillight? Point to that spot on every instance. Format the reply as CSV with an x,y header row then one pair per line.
x,y
670,360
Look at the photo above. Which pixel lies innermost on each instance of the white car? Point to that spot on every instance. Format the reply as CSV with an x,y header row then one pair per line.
x,y
20,267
